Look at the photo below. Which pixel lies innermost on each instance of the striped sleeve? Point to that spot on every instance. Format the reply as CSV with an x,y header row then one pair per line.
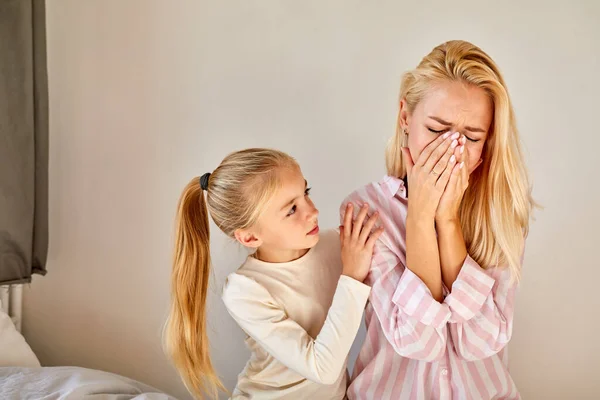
x,y
481,304
412,321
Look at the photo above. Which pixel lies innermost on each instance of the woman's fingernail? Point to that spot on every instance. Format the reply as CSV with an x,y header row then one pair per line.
x,y
349,205
462,164
456,135
452,159
462,148
454,143
446,135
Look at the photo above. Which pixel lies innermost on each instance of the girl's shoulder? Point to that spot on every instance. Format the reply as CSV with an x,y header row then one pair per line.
x,y
240,288
329,237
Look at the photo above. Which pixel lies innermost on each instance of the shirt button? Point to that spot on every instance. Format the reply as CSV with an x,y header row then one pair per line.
x,y
444,372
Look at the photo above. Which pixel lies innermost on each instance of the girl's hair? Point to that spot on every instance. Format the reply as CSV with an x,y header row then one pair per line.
x,y
236,194
497,205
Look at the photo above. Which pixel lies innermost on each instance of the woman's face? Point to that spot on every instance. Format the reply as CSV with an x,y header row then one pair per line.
x,y
450,106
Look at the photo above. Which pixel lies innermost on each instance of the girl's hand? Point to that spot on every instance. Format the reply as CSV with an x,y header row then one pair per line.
x,y
357,242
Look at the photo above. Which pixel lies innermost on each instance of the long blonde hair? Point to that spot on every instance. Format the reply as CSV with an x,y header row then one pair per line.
x,y
497,204
236,194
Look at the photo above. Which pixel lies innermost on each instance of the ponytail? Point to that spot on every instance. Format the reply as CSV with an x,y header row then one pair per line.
x,y
186,340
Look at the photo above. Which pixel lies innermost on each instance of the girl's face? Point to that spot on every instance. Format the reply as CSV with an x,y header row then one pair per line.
x,y
454,107
289,225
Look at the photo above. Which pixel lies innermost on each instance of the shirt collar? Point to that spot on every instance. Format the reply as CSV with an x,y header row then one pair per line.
x,y
393,186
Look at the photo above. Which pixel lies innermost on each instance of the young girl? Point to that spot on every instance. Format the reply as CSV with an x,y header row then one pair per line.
x,y
299,296
457,206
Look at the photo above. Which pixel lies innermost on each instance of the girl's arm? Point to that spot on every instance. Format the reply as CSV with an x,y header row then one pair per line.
x,y
321,359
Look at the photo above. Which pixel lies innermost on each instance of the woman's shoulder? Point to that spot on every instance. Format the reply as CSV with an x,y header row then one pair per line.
x,y
375,193
388,197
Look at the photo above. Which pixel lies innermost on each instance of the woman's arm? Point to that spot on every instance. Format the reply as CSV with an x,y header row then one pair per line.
x,y
413,322
452,250
422,256
427,179
482,308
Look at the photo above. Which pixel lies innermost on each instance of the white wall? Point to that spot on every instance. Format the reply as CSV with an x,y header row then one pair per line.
x,y
146,94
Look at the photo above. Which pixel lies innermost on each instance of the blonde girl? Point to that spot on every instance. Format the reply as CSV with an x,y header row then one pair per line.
x,y
299,297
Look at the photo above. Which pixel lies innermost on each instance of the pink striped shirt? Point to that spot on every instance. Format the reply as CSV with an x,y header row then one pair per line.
x,y
416,347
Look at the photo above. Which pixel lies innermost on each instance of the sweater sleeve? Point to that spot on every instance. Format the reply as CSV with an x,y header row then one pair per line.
x,y
321,359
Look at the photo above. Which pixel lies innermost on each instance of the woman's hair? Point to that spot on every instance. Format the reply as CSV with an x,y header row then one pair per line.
x,y
497,204
236,193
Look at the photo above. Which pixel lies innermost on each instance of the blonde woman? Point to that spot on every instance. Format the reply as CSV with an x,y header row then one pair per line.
x,y
455,205
299,297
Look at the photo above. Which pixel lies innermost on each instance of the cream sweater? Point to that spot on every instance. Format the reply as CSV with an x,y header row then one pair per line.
x,y
301,318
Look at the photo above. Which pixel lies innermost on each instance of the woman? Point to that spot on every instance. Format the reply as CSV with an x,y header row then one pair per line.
x,y
455,206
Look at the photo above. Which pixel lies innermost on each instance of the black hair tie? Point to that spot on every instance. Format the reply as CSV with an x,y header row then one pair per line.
x,y
204,181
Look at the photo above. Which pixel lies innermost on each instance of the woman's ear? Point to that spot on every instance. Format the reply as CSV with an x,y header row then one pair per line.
x,y
478,164
403,116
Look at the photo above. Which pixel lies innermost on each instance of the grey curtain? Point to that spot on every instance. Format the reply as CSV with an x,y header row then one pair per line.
x,y
23,141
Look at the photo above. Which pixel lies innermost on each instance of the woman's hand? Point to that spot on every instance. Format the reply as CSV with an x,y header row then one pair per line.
x,y
358,240
429,175
449,205
447,210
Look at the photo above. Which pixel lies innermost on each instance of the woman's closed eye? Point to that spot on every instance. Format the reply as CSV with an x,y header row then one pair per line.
x,y
446,130
437,132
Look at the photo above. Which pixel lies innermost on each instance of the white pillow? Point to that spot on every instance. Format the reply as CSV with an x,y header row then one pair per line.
x,y
14,350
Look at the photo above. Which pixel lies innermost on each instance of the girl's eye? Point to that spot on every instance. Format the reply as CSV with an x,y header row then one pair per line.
x,y
292,211
472,140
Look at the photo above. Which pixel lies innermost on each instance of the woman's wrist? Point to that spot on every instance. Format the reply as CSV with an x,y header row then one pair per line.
x,y
447,224
422,219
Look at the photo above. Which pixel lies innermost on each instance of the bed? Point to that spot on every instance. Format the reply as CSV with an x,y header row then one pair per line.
x,y
23,378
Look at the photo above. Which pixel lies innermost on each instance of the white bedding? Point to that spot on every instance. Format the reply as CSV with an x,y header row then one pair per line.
x,y
22,378
72,383
14,350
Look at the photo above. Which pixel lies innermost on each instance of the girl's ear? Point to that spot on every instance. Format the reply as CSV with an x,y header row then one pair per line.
x,y
248,238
